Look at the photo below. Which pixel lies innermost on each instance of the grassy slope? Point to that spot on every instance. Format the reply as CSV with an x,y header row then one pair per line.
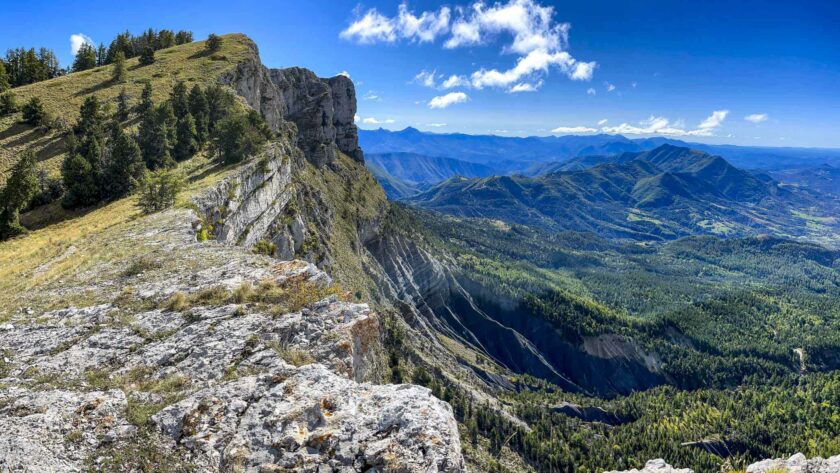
x,y
62,96
74,248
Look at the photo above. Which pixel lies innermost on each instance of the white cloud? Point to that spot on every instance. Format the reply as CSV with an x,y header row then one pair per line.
x,y
451,98
756,118
436,125
77,40
591,91
425,78
455,81
602,122
344,73
634,84
609,87
662,126
525,87
374,27
374,121
536,38
370,95
567,130
356,117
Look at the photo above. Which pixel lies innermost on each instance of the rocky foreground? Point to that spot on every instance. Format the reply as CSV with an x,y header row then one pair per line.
x,y
795,464
188,371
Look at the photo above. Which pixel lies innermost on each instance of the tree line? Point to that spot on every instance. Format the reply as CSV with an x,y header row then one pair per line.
x,y
23,66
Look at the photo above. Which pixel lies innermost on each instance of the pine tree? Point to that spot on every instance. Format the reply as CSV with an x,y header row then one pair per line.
x,y
214,43
165,39
147,56
145,105
219,104
122,106
101,55
186,144
8,103
159,190
85,58
180,102
33,112
156,137
200,112
183,37
20,188
118,73
4,78
125,167
91,118
79,181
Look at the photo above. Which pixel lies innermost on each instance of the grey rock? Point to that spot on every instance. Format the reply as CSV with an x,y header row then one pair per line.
x,y
797,463
657,466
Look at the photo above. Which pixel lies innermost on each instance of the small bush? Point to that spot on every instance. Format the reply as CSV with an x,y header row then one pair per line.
x,y
141,265
159,190
264,247
177,302
214,43
34,113
8,104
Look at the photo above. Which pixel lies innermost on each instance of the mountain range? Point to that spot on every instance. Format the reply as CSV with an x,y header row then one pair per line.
x,y
664,193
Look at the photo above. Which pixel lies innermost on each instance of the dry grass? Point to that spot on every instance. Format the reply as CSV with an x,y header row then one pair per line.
x,y
62,96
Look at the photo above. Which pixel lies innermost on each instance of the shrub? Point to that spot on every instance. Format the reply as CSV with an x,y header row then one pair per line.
x,y
147,57
239,135
177,302
159,190
8,104
33,112
214,42
264,247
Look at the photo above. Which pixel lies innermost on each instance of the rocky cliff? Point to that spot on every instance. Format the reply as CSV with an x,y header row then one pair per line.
x,y
798,463
188,355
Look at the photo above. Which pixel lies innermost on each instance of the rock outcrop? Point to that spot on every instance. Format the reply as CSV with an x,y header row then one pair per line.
x,y
259,390
322,110
797,464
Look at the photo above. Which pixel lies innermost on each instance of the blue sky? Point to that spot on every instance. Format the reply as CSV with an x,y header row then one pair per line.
x,y
691,70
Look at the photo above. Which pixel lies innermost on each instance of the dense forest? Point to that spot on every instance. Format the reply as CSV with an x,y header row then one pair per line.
x,y
745,331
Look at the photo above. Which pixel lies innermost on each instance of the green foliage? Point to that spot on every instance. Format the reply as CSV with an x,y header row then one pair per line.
x,y
85,58
157,135
8,103
145,104
118,71
183,37
264,247
214,43
238,136
159,190
27,66
186,143
200,111
147,57
125,167
4,78
19,190
34,113
179,100
122,106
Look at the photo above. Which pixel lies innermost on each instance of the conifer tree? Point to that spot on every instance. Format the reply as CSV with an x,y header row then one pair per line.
x,y
8,103
180,102
125,167
157,136
20,188
122,106
33,112
186,144
147,56
118,73
79,181
4,78
145,105
200,112
183,37
85,58
101,55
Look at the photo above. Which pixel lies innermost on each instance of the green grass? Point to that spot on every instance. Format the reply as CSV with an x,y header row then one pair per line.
x,y
63,96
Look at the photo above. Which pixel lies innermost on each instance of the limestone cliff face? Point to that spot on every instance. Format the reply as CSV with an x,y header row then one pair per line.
x,y
322,110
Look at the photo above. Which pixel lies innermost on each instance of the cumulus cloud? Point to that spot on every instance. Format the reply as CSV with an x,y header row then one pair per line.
x,y
374,121
344,73
77,40
609,87
756,117
425,78
570,130
451,98
535,37
662,126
